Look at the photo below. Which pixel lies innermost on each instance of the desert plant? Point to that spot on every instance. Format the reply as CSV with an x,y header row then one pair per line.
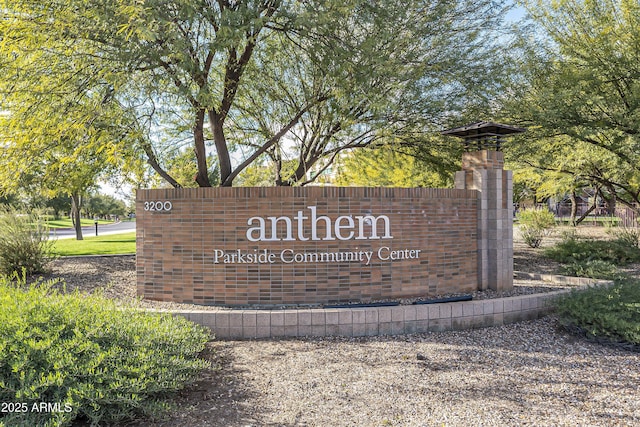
x,y
606,313
595,269
24,242
94,361
535,224
571,250
628,235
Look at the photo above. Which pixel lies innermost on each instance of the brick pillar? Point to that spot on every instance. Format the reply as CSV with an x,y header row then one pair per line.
x,y
483,171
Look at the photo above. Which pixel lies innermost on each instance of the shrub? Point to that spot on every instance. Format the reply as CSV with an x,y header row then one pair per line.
x,y
94,360
604,313
24,242
535,224
573,250
628,235
595,269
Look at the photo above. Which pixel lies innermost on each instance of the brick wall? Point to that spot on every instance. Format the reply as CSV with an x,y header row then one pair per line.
x,y
192,244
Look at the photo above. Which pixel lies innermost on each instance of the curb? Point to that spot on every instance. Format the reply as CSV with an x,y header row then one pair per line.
x,y
375,321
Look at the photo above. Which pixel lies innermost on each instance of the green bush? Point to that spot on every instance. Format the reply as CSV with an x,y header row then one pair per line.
x,y
535,225
573,250
628,235
89,358
24,242
610,314
595,269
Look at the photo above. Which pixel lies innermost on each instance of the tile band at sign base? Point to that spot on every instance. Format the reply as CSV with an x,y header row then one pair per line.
x,y
374,321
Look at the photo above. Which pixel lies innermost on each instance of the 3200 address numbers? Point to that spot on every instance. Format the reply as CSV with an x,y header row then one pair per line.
x,y
158,206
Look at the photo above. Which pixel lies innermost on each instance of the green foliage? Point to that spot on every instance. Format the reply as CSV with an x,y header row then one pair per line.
x,y
58,205
61,128
604,313
99,361
24,242
628,235
579,96
10,200
573,250
539,218
256,175
182,166
593,268
535,224
290,80
102,205
385,167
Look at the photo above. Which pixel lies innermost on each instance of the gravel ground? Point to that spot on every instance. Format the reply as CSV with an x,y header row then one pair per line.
x,y
525,374
516,375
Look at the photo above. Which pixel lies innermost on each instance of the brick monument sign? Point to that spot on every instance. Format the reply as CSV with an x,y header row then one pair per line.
x,y
321,245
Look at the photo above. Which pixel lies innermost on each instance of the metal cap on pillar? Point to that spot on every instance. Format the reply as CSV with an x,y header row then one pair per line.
x,y
483,135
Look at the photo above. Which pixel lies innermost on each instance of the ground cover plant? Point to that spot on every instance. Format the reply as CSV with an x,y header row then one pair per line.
x,y
605,313
628,235
85,358
24,242
124,243
598,259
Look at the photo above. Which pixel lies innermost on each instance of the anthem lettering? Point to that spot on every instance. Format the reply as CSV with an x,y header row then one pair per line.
x,y
315,228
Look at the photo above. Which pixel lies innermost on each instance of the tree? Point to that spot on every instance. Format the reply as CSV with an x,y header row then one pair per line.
x,y
287,80
58,143
581,96
63,129
58,204
9,200
378,101
561,167
56,174
386,167
101,205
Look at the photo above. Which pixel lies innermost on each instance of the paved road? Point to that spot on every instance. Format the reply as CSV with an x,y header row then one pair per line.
x,y
103,230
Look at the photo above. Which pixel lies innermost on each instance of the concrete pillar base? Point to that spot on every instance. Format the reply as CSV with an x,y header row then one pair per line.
x,y
483,171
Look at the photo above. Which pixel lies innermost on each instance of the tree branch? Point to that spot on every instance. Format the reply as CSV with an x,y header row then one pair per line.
x,y
153,162
273,140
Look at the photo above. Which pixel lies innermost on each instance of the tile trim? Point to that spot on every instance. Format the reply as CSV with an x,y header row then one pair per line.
x,y
373,321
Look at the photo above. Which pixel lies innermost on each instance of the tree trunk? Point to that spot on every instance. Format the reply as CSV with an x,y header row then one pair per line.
x,y
202,178
574,208
584,215
278,162
611,201
591,208
224,159
153,162
76,204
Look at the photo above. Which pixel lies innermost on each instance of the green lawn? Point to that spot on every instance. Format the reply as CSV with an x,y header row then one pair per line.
x,y
101,245
593,220
66,222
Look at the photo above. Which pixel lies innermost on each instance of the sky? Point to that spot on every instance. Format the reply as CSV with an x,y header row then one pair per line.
x,y
516,14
